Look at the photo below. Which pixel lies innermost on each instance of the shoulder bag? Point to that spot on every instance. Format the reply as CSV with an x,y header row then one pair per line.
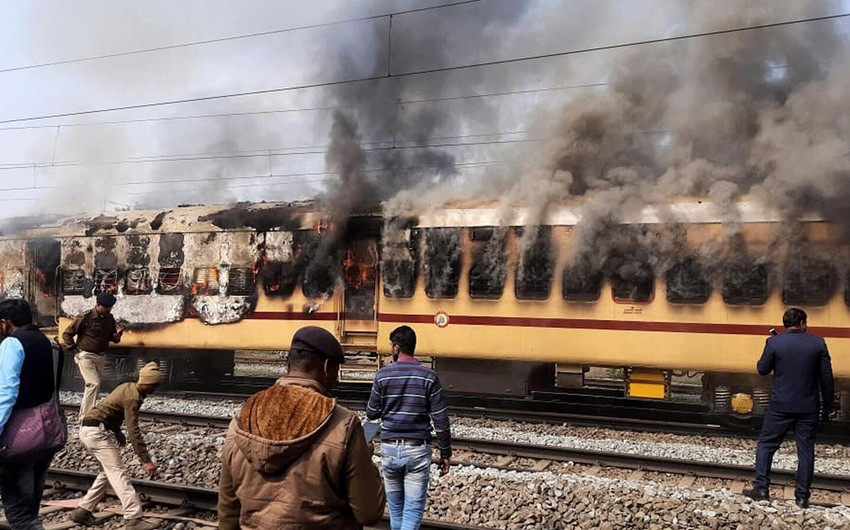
x,y
38,431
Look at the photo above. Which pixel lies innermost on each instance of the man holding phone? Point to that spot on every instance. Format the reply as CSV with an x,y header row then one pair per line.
x,y
407,397
802,385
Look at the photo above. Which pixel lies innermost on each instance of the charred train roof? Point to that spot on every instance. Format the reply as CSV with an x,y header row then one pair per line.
x,y
305,215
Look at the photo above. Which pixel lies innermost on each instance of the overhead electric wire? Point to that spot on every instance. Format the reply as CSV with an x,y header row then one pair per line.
x,y
390,74
114,184
266,153
401,102
233,37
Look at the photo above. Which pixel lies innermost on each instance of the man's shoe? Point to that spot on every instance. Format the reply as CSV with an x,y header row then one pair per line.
x,y
139,524
802,503
757,494
83,516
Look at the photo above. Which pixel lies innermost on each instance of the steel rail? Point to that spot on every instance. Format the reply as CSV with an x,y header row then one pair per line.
x,y
189,496
824,481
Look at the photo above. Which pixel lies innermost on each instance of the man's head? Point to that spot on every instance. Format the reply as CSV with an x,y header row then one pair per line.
x,y
105,301
403,339
149,378
794,318
316,354
14,313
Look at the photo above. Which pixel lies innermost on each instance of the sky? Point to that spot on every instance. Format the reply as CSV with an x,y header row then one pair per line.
x,y
219,102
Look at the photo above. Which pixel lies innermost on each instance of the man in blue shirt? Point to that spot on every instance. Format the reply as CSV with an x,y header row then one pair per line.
x,y
27,379
407,397
802,384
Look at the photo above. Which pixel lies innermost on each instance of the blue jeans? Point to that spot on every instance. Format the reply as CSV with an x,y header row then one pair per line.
x,y
21,486
406,473
773,430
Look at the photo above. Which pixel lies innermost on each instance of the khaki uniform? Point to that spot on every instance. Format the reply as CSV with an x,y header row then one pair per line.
x,y
93,334
97,434
294,459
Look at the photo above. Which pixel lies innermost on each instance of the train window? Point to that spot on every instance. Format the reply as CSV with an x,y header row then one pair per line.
x,y
534,271
240,281
745,283
686,283
808,281
489,263
168,281
279,278
318,281
399,266
137,281
205,281
633,282
73,281
581,284
105,281
442,262
321,267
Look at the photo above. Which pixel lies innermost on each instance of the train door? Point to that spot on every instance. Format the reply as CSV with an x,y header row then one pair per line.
x,y
360,272
42,280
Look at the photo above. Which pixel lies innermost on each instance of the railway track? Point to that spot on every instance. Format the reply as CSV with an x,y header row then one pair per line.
x,y
177,495
544,455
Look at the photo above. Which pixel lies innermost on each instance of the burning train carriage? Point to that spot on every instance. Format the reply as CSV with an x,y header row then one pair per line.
x,y
512,309
184,278
502,307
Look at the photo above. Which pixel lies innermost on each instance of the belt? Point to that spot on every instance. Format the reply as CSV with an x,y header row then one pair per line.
x,y
91,423
400,441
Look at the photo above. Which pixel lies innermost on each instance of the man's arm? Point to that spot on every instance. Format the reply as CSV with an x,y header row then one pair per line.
x,y
440,418
11,362
229,506
374,408
72,330
134,432
827,384
767,361
117,331
364,486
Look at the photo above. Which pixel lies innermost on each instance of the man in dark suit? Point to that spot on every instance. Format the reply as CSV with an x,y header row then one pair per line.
x,y
802,384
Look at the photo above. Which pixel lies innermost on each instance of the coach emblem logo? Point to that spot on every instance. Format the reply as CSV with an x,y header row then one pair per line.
x,y
441,319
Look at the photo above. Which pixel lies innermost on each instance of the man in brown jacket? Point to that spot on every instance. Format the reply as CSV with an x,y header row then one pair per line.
x,y
293,458
101,434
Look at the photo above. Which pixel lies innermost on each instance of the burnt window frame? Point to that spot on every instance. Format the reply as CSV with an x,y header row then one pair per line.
x,y
408,289
167,273
84,281
544,233
596,278
704,285
98,278
829,274
137,292
614,280
454,263
482,238
752,301
251,287
207,291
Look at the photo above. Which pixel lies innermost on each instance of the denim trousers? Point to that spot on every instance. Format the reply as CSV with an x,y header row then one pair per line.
x,y
775,426
406,472
21,486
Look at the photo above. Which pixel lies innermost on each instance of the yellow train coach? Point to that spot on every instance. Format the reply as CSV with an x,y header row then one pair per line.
x,y
505,300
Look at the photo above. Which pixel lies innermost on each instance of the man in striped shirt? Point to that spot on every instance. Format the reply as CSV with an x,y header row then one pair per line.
x,y
407,397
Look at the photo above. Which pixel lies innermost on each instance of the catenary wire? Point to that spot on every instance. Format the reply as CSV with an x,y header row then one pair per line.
x,y
390,75
232,37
